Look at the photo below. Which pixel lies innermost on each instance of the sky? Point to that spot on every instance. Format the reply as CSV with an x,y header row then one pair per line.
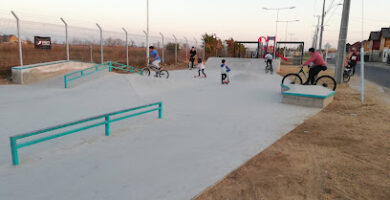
x,y
242,20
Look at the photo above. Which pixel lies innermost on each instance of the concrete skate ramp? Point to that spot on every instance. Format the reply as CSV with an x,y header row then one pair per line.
x,y
307,95
42,71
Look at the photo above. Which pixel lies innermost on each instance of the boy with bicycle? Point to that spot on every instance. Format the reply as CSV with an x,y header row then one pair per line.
x,y
154,58
318,65
268,60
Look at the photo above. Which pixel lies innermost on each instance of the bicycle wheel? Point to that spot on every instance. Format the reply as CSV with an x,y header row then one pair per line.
x,y
164,74
327,81
266,69
292,79
346,76
146,71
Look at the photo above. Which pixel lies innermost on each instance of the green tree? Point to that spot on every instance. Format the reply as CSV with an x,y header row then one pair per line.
x,y
213,45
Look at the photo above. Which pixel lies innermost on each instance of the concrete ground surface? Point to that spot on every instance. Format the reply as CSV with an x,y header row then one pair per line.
x,y
207,130
343,152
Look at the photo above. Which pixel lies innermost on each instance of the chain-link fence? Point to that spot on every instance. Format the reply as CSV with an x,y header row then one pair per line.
x,y
84,44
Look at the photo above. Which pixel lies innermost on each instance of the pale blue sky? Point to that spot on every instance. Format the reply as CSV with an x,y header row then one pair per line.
x,y
243,20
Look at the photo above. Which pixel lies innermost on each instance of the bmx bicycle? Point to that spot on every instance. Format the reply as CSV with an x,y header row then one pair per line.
x,y
268,67
324,80
347,73
160,72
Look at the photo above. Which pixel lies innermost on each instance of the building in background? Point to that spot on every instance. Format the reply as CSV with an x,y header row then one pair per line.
x,y
379,45
8,38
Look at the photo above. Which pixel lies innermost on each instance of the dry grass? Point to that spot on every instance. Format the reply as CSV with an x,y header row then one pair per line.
x,y
343,152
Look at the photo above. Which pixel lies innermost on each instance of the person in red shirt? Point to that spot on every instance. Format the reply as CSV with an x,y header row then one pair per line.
x,y
318,65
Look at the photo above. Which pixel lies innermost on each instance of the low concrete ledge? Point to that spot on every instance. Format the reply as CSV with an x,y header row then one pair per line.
x,y
42,71
307,95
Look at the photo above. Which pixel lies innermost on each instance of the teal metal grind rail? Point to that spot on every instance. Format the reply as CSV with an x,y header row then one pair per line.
x,y
88,71
108,118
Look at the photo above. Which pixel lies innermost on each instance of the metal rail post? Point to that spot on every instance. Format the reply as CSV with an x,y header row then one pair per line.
x,y
147,48
175,48
163,47
66,39
127,47
101,43
186,47
19,39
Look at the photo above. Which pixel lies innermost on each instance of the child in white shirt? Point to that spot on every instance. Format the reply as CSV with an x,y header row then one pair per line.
x,y
201,68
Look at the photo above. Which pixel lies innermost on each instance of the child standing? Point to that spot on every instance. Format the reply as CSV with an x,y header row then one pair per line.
x,y
201,68
224,72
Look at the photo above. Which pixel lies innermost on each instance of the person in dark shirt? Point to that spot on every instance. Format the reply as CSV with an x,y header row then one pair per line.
x,y
192,57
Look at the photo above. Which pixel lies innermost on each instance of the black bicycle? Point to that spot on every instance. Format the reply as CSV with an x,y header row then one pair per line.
x,y
324,80
160,73
347,73
268,67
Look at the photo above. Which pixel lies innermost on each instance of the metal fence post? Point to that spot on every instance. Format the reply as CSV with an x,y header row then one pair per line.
x,y
175,48
204,51
90,49
127,47
101,43
107,125
14,151
19,39
196,44
163,47
66,39
147,47
186,47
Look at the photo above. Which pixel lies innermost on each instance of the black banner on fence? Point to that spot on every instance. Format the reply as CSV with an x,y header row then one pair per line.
x,y
42,42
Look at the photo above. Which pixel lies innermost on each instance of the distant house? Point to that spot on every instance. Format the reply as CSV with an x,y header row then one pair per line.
x,y
8,38
379,45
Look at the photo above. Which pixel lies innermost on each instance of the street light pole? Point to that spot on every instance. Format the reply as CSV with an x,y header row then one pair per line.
x,y
147,32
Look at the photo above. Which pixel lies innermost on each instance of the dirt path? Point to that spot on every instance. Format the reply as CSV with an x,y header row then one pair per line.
x,y
341,153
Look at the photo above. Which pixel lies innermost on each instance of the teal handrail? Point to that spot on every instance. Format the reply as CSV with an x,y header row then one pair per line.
x,y
88,71
107,120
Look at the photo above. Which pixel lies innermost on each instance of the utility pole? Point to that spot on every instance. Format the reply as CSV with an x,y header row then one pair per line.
x,y
342,41
322,27
316,32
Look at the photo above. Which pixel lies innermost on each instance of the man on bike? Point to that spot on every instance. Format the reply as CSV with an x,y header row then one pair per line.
x,y
154,58
268,60
318,65
192,57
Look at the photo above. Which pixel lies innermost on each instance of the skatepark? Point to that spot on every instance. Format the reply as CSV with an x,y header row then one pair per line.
x,y
206,131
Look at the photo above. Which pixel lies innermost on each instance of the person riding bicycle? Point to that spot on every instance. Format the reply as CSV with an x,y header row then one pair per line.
x,y
268,60
318,65
192,56
154,58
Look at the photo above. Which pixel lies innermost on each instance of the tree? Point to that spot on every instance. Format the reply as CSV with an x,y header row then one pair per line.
x,y
212,44
231,45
